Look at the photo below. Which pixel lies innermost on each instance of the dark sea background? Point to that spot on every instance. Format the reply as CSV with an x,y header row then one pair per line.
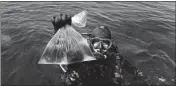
x,y
143,31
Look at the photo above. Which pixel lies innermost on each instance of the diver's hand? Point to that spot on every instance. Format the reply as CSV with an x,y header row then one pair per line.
x,y
61,21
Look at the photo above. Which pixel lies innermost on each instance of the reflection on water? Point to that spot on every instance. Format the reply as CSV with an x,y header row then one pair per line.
x,y
143,31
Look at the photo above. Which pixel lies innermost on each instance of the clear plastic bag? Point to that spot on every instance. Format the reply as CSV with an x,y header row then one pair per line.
x,y
80,19
66,46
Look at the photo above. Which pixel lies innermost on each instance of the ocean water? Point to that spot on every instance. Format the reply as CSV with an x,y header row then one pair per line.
x,y
143,31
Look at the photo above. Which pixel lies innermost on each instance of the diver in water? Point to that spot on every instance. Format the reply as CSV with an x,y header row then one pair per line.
x,y
109,67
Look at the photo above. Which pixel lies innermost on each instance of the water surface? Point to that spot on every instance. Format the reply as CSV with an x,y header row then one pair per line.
x,y
143,31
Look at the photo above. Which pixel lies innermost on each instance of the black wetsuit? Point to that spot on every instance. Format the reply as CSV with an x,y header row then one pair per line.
x,y
103,72
94,73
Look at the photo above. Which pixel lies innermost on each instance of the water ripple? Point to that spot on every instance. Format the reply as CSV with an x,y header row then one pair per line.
x,y
144,31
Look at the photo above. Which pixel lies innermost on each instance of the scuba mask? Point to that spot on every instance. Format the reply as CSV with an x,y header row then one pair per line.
x,y
100,45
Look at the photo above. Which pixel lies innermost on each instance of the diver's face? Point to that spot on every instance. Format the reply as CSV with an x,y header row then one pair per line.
x,y
100,45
